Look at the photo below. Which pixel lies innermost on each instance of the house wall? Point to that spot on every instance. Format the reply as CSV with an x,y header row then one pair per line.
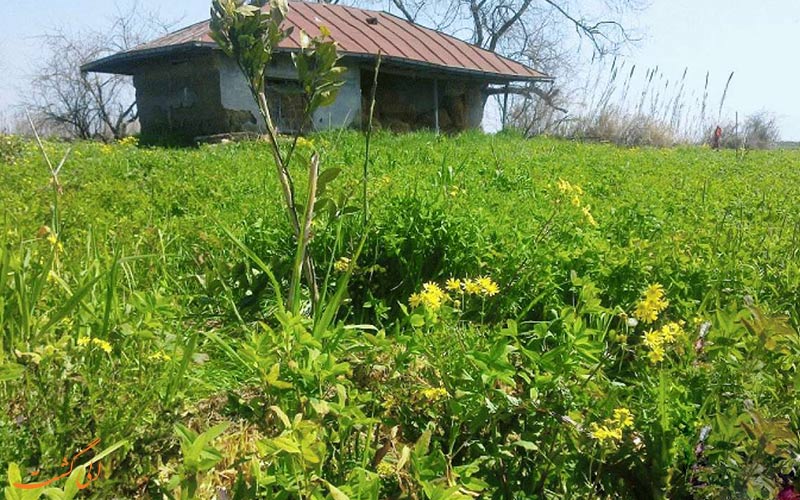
x,y
406,102
179,100
207,94
344,112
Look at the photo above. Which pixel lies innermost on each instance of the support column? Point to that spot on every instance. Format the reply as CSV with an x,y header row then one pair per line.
x,y
436,105
505,107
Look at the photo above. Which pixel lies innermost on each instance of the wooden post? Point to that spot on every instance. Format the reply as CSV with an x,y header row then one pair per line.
x,y
505,107
436,105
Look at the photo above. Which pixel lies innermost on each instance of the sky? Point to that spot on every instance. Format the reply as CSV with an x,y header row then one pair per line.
x,y
755,40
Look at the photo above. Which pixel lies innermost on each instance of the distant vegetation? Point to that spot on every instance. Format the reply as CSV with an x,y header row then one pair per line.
x,y
630,106
526,316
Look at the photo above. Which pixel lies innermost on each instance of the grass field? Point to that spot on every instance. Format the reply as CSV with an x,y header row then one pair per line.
x,y
528,318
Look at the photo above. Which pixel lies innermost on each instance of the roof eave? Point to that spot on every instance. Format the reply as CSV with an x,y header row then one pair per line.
x,y
125,63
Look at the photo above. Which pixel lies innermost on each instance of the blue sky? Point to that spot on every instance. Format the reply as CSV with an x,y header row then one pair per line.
x,y
756,40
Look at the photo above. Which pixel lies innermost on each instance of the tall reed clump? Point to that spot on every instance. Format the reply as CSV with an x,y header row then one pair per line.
x,y
629,107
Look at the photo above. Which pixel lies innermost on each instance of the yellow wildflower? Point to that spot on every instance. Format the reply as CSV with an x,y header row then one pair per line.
x,y
342,264
432,296
488,287
564,186
385,469
589,217
102,344
623,417
159,356
434,394
53,240
610,432
472,287
453,285
604,433
653,303
576,201
657,340
128,141
656,354
654,292
302,142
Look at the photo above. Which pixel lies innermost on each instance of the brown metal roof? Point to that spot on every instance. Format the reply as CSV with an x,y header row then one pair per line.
x,y
399,41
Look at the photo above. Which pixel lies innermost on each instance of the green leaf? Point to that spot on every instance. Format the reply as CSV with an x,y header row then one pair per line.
x,y
281,415
287,444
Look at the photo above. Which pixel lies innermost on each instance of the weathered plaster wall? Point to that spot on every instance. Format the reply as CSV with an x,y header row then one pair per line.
x,y
346,110
235,94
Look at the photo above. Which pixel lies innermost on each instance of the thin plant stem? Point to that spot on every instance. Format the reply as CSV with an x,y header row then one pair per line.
x,y
369,134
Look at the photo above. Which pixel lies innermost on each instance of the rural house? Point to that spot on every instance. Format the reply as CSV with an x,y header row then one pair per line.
x,y
186,87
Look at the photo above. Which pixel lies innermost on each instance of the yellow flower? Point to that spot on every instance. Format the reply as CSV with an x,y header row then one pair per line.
x,y
605,434
472,287
656,354
623,417
657,340
652,304
53,240
488,287
654,292
588,214
610,432
159,356
432,296
576,201
102,344
564,186
342,264
453,285
302,142
385,469
128,141
433,394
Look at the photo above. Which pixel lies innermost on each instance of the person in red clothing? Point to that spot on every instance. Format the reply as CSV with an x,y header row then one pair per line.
x,y
716,138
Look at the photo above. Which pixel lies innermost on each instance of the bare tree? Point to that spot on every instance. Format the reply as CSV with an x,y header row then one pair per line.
x,y
68,102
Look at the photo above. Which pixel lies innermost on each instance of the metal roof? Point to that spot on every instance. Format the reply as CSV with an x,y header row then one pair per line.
x,y
358,32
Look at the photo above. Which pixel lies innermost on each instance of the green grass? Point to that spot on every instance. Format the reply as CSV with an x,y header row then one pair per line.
x,y
142,233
